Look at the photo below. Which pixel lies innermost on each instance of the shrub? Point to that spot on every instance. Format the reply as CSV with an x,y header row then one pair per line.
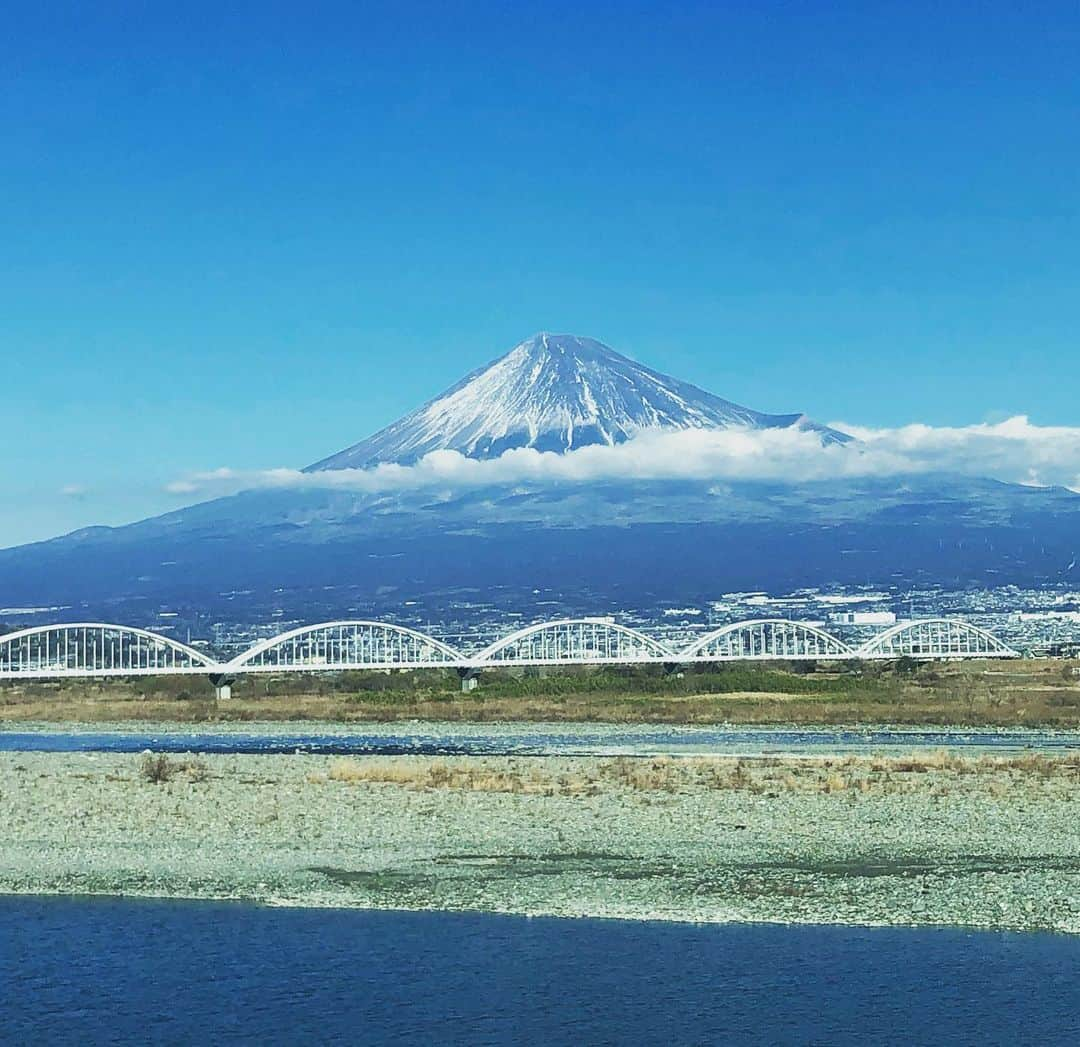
x,y
160,768
157,768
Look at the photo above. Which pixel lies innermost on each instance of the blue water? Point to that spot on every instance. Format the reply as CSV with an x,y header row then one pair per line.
x,y
92,971
449,739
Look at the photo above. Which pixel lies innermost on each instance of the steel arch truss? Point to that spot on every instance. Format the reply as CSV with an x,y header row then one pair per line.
x,y
347,645
766,638
95,649
576,641
936,638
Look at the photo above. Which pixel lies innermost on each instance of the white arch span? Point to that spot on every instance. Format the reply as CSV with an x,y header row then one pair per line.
x,y
96,649
357,644
766,638
582,641
936,638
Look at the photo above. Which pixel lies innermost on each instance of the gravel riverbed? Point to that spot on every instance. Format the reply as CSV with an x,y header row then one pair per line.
x,y
992,849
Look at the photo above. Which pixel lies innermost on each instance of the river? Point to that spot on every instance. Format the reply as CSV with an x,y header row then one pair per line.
x,y
520,739
136,971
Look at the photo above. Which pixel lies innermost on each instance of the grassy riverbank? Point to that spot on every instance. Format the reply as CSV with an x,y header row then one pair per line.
x,y
932,839
1008,694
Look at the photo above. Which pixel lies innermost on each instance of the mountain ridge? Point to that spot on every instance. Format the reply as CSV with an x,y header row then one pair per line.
x,y
322,553
555,392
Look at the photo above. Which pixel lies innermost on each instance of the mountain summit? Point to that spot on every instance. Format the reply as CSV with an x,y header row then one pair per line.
x,y
554,392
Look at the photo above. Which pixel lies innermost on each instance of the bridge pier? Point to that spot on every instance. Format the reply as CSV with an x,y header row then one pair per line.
x,y
676,669
222,686
470,679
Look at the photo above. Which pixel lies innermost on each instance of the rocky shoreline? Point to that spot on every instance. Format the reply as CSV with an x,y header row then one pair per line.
x,y
982,844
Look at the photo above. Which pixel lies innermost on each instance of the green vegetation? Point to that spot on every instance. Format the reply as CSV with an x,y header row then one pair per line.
x,y
1026,693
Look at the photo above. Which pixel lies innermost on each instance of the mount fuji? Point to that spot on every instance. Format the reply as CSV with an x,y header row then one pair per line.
x,y
323,548
555,393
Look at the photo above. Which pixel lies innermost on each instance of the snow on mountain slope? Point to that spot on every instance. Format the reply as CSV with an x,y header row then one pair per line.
x,y
554,393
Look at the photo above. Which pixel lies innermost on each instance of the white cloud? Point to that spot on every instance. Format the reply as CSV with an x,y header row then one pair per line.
x,y
202,481
74,491
1014,450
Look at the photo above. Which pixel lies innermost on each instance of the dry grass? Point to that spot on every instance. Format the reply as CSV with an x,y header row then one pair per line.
x,y
939,772
463,775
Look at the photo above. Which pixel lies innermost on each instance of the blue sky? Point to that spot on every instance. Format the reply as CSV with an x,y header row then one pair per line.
x,y
249,237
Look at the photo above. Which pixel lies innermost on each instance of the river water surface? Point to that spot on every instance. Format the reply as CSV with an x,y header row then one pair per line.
x,y
418,739
88,971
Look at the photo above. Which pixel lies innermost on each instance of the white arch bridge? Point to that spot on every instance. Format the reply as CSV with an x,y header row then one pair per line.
x,y
94,649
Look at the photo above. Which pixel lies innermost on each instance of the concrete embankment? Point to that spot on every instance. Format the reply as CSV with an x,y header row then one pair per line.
x,y
990,842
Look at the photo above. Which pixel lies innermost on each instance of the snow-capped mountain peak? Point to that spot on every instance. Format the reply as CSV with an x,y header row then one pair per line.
x,y
554,393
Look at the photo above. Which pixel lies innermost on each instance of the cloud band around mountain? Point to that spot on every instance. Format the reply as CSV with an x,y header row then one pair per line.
x,y
1014,450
